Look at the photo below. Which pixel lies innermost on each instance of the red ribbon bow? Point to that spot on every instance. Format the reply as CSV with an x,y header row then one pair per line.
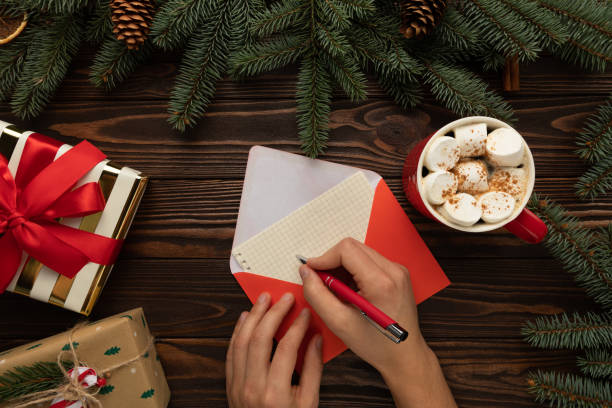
x,y
41,192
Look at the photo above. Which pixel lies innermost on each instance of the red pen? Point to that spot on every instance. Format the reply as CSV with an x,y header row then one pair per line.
x,y
387,326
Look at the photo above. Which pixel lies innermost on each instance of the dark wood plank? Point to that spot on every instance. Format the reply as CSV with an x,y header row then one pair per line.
x,y
155,80
199,298
480,372
196,219
376,135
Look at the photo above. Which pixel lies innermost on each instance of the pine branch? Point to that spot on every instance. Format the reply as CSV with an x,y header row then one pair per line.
x,y
596,181
588,23
568,390
202,66
115,62
12,59
278,17
500,28
58,7
177,20
463,92
569,332
53,47
580,252
346,73
25,380
100,24
313,104
596,363
595,140
456,31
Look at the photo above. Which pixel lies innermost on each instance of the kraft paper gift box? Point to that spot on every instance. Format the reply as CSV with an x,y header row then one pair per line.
x,y
122,189
111,342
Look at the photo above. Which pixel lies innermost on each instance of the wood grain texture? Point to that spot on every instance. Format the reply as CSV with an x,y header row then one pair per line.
x,y
175,261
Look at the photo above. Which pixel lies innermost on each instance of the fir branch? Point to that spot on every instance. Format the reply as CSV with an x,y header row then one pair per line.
x,y
501,30
581,254
53,47
405,92
569,390
115,62
100,24
57,7
359,9
202,66
177,20
25,380
456,31
546,26
333,42
596,181
268,56
595,140
12,59
463,92
596,363
570,332
313,104
346,73
278,17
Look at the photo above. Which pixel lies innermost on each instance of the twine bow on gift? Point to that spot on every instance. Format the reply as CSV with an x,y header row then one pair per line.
x,y
81,385
41,192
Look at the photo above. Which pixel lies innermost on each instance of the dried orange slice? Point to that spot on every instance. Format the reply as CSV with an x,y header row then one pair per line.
x,y
11,27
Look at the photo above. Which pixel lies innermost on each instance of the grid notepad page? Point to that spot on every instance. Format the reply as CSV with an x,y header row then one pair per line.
x,y
342,211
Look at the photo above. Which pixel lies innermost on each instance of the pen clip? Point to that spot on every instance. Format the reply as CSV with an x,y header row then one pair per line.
x,y
381,329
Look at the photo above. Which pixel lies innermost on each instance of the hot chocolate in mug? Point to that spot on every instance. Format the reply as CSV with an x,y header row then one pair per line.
x,y
521,222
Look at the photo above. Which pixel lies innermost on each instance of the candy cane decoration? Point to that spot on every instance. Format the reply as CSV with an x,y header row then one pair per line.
x,y
87,378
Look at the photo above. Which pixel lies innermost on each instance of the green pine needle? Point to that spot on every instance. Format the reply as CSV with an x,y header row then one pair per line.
x,y
595,140
53,46
115,62
313,104
177,20
12,60
25,380
582,253
462,92
57,7
346,72
100,23
278,17
596,181
563,331
569,390
596,363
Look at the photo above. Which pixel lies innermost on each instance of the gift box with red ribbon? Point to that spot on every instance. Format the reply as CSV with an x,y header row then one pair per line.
x,y
64,213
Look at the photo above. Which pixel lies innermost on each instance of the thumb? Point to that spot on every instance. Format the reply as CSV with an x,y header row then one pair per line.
x,y
336,315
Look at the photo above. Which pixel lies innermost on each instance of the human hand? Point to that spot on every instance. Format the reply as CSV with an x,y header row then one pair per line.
x,y
252,380
410,368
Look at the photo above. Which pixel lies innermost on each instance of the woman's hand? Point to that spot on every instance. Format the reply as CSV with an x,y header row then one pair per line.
x,y
252,380
410,368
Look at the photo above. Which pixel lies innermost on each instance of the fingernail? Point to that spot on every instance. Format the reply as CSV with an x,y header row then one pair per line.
x,y
319,342
263,298
304,271
287,297
243,316
305,312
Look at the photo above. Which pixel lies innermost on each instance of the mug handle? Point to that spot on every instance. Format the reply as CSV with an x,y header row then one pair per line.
x,y
528,227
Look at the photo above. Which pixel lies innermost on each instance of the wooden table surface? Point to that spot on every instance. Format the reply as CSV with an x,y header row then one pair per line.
x,y
176,259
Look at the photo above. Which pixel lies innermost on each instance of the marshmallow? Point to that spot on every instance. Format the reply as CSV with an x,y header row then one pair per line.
x,y
443,154
439,186
461,209
472,139
505,147
471,176
509,180
496,206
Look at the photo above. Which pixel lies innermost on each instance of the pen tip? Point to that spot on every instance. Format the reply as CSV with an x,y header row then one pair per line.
x,y
301,258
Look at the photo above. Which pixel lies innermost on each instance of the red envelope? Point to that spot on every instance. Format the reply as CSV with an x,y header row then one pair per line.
x,y
277,183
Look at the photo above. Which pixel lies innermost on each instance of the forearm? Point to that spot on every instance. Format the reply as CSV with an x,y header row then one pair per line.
x,y
420,383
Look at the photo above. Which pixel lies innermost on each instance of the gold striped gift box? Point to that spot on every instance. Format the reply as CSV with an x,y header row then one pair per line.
x,y
122,187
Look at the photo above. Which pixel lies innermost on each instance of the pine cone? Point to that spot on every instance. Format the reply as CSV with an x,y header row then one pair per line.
x,y
132,21
420,17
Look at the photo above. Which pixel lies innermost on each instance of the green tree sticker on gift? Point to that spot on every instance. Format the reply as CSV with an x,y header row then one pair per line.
x,y
148,394
107,389
67,346
112,351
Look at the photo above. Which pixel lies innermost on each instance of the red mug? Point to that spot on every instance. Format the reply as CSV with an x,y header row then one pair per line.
x,y
523,223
